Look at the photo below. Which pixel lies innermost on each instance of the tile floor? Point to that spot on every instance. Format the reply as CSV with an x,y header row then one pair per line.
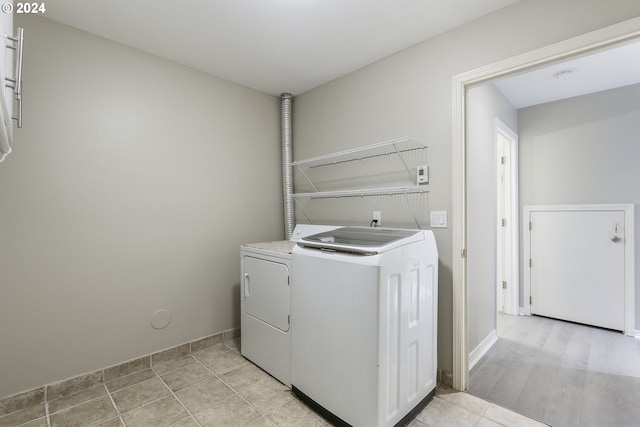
x,y
218,387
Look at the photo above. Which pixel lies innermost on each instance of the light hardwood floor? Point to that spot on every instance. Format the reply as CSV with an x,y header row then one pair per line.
x,y
561,373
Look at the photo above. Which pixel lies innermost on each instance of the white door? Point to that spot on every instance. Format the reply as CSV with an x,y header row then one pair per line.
x,y
577,266
265,289
507,268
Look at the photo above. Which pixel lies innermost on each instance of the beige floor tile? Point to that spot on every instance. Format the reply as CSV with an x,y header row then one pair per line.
x,y
244,376
129,380
230,412
40,422
187,422
114,422
22,401
143,398
76,399
186,376
164,367
22,416
220,359
161,413
140,394
440,412
170,354
74,385
509,418
261,422
267,395
296,414
200,397
206,343
89,413
233,344
127,368
211,352
470,403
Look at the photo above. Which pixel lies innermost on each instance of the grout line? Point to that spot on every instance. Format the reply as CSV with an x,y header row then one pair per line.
x,y
46,413
76,405
113,402
262,414
176,397
132,385
235,392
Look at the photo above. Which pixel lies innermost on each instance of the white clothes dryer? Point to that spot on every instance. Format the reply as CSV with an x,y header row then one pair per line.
x,y
265,286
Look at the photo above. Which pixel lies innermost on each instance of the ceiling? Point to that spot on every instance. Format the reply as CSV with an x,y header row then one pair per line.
x,y
606,69
273,46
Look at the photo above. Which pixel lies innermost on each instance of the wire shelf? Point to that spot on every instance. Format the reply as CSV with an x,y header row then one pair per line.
x,y
390,191
386,148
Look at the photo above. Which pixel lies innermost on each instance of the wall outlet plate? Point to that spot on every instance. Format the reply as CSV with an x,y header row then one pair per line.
x,y
377,216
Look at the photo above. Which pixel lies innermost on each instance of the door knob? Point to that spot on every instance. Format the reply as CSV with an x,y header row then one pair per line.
x,y
615,237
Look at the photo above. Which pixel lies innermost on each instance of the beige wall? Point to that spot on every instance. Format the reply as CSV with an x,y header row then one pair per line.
x,y
129,189
410,93
583,150
485,103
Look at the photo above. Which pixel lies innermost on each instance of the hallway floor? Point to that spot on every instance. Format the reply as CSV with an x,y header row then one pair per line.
x,y
561,373
218,387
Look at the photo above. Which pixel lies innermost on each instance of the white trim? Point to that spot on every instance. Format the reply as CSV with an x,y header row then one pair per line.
x,y
629,254
514,223
637,334
482,349
618,33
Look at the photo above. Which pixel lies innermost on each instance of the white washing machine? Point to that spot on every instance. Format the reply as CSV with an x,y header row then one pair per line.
x,y
364,311
265,287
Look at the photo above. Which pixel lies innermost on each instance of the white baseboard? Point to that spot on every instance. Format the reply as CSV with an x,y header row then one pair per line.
x,y
482,348
637,333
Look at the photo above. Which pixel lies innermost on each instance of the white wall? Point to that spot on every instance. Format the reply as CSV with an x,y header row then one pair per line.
x,y
583,150
130,188
410,93
485,103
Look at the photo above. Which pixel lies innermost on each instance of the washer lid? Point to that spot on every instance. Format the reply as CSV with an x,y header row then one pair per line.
x,y
361,240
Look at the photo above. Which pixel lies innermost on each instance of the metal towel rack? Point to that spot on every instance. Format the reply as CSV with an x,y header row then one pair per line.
x,y
17,43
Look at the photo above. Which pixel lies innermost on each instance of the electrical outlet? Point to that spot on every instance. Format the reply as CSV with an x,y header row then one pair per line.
x,y
377,216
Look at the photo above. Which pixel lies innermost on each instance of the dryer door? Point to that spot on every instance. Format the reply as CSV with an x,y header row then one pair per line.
x,y
265,290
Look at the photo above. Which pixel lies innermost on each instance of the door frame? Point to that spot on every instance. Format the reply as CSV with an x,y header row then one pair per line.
x,y
629,254
608,36
512,305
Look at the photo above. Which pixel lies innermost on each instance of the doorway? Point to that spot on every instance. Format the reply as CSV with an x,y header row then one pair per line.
x,y
507,266
620,33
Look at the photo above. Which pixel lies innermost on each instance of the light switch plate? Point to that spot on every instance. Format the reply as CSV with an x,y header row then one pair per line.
x,y
438,219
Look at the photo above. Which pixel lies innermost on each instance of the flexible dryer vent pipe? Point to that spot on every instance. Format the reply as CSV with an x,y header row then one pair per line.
x,y
287,171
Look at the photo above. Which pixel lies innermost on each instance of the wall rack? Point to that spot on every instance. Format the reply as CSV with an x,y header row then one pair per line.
x,y
393,147
361,192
